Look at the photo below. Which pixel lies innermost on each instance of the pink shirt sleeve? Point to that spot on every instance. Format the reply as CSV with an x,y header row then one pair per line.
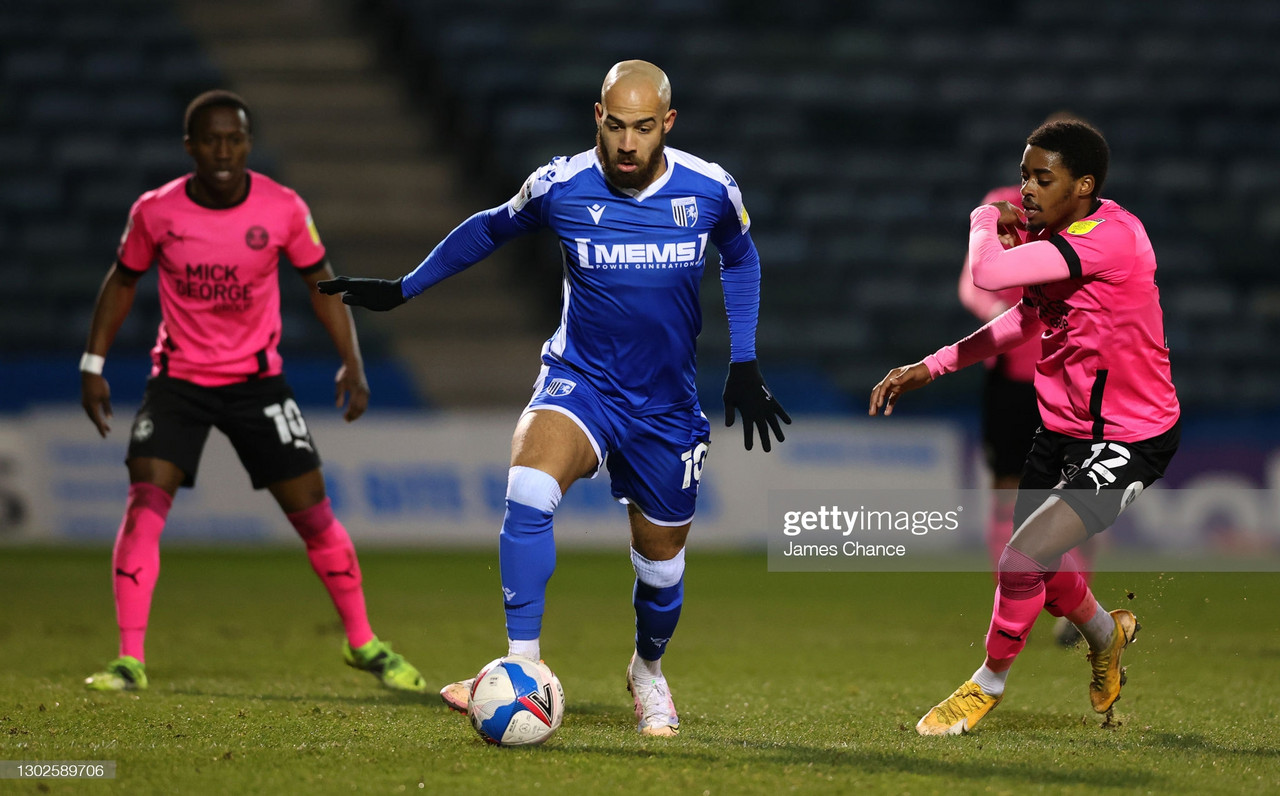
x,y
303,247
983,303
995,268
1098,248
137,248
1011,329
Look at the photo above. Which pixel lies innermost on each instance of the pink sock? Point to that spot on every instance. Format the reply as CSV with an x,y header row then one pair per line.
x,y
1085,610
1019,598
1066,589
135,560
333,557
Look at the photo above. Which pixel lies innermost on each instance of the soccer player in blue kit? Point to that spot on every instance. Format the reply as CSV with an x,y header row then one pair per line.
x,y
633,219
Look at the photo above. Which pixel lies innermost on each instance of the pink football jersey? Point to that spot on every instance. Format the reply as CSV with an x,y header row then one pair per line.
x,y
219,293
1104,367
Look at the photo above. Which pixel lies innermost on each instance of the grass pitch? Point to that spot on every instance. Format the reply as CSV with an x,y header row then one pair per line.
x,y
807,683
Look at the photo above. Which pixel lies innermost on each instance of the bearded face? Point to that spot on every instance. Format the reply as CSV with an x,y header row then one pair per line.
x,y
631,158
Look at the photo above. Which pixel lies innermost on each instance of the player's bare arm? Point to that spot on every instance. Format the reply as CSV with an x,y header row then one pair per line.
x,y
351,388
899,380
115,298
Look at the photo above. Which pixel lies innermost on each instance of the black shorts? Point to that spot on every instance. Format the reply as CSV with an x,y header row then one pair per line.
x,y
1010,418
1097,478
259,417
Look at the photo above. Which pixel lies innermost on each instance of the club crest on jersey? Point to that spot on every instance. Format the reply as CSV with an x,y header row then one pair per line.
x,y
558,388
256,237
685,211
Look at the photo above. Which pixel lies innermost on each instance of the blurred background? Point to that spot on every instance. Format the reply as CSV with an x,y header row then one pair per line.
x,y
862,134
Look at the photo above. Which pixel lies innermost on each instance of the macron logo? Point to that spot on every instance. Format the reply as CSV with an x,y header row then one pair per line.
x,y
510,595
596,210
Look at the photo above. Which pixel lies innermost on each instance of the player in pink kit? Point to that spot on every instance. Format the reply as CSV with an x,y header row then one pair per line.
x,y
216,236
1104,390
1009,413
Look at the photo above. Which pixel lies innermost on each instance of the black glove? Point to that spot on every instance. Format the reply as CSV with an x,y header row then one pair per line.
x,y
375,294
746,391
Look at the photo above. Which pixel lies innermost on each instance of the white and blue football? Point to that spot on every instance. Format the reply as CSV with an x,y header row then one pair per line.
x,y
516,701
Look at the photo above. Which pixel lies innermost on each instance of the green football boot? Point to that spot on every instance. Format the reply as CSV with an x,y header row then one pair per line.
x,y
125,673
377,658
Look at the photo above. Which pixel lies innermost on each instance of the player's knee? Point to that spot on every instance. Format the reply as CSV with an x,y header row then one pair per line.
x,y
311,523
533,488
1019,573
145,496
658,574
296,495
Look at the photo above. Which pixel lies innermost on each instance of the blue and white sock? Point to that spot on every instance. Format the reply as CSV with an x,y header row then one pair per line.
x,y
658,598
527,550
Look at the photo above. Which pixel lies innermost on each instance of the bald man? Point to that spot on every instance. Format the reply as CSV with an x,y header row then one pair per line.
x,y
633,218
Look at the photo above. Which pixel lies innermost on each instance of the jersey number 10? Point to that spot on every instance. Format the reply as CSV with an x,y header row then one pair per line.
x,y
289,423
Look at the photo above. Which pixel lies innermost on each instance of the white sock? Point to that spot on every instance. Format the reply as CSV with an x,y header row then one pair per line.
x,y
992,683
646,670
1098,630
528,648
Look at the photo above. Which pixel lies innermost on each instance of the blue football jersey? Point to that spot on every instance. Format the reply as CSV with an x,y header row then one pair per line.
x,y
633,264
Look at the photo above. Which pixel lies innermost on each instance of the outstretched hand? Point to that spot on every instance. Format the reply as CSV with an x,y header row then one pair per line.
x,y
898,381
745,391
379,295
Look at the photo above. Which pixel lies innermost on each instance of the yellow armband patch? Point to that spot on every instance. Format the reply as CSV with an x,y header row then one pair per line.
x,y
1082,227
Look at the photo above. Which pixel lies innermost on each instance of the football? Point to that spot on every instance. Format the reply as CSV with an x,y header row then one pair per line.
x,y
516,701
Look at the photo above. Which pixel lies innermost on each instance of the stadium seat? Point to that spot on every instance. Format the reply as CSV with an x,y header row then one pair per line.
x,y
862,134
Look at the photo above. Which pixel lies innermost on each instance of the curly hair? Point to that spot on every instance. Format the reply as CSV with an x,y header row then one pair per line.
x,y
1081,147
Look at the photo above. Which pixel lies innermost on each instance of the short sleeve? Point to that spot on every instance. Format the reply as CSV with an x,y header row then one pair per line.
x,y
1101,249
525,208
137,248
304,247
732,223
734,195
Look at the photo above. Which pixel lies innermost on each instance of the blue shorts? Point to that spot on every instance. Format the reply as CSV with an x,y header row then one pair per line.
x,y
655,462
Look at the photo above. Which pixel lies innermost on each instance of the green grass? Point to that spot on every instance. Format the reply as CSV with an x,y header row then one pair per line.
x,y
807,683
